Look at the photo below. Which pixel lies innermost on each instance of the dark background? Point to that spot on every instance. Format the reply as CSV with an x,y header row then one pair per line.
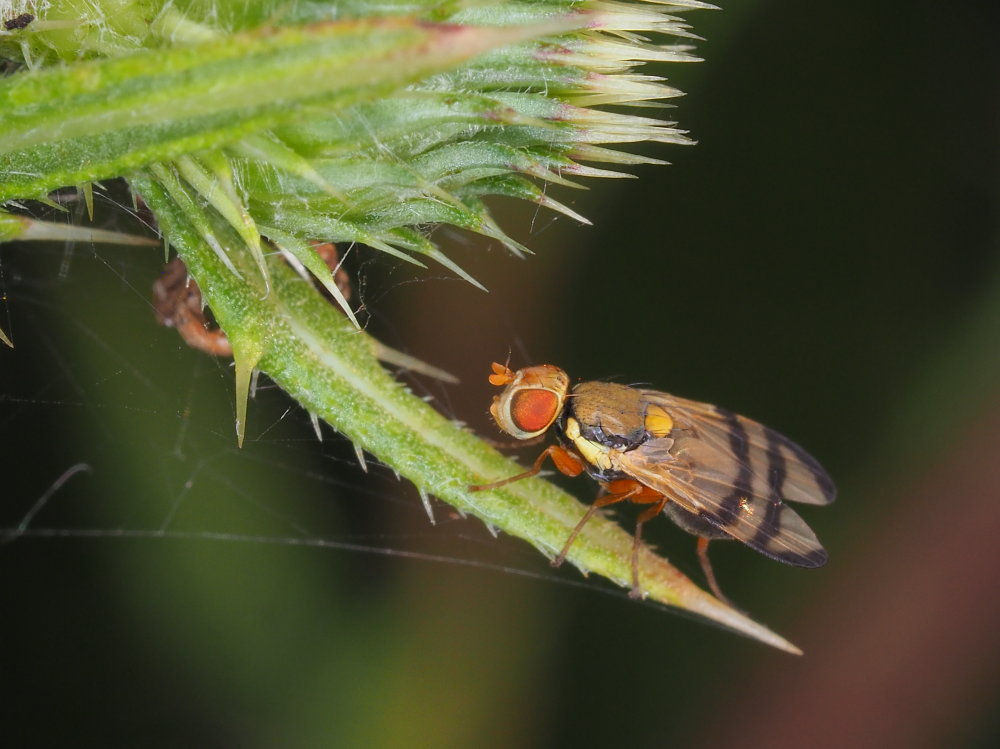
x,y
824,260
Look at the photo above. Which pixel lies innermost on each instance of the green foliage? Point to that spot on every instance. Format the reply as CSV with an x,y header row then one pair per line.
x,y
254,127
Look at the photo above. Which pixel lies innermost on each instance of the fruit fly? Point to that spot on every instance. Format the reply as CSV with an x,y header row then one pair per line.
x,y
715,474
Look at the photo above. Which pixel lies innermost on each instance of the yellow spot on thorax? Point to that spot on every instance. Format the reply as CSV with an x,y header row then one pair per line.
x,y
658,421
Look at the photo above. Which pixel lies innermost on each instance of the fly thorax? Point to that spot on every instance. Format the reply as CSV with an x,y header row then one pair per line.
x,y
610,415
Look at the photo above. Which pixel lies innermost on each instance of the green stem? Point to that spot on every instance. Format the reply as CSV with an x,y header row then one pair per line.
x,y
319,358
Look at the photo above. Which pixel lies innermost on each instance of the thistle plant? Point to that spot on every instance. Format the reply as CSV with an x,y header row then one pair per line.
x,y
251,129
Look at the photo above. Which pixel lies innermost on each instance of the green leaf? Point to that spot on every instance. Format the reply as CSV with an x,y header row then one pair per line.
x,y
102,118
26,229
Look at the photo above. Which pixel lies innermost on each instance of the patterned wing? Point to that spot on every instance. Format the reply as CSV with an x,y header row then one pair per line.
x,y
736,474
789,473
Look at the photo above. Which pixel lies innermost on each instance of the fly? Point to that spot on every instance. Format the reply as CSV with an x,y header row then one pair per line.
x,y
716,474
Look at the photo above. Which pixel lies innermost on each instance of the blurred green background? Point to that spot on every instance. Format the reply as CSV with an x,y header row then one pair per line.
x,y
824,260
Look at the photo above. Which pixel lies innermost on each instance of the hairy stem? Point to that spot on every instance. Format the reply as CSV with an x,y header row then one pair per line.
x,y
316,355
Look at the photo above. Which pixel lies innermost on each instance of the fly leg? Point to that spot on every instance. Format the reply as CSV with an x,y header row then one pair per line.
x,y
659,501
622,490
602,501
563,459
706,567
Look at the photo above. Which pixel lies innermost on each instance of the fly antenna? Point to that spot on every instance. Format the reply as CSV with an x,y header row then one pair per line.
x,y
502,374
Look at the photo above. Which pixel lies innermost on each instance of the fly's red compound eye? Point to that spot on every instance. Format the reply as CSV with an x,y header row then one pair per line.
x,y
532,410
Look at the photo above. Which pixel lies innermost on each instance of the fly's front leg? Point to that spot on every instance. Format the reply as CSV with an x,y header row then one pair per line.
x,y
562,458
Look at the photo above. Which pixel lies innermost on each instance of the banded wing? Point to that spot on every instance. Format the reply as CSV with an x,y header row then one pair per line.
x,y
736,474
791,474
